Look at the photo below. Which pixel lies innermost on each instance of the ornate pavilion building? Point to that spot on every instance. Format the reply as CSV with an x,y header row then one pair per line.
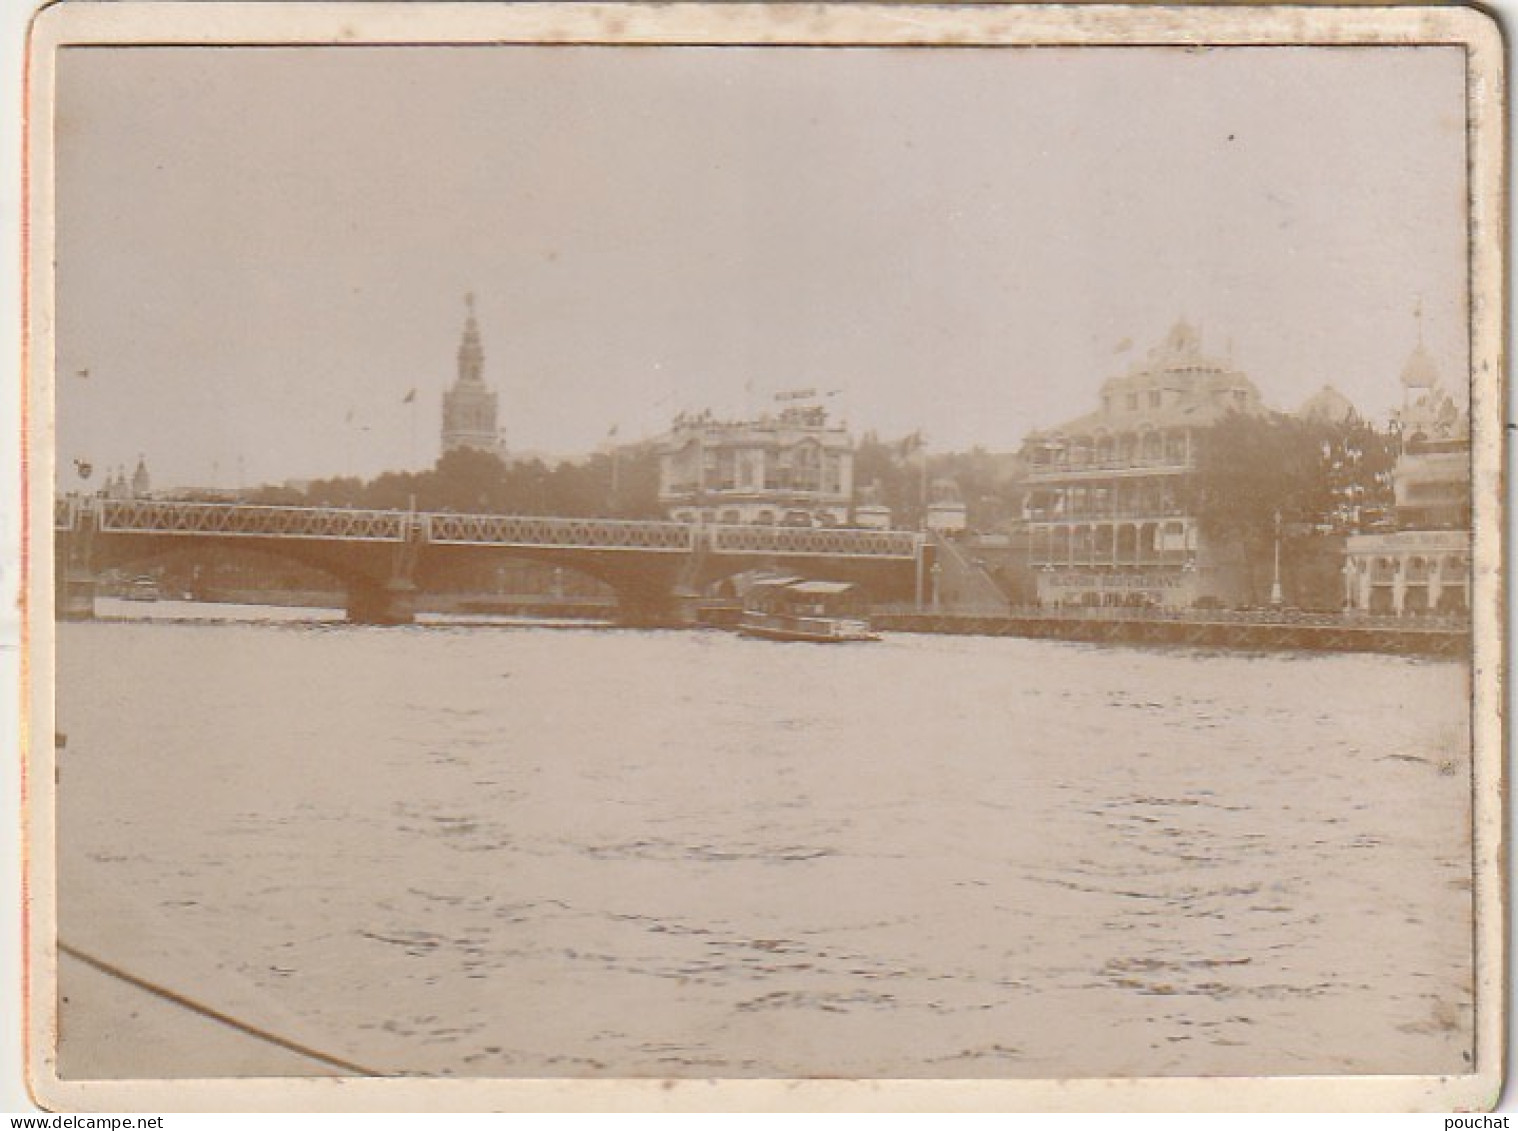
x,y
469,408
793,467
1424,566
1103,510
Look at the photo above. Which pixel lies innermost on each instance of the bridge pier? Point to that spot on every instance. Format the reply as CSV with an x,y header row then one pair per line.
x,y
650,614
74,598
391,603
74,576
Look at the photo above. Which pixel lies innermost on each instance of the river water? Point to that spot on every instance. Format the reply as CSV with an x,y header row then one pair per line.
x,y
516,851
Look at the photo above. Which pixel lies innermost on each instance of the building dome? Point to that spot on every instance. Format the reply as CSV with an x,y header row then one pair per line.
x,y
1183,343
1420,371
1327,404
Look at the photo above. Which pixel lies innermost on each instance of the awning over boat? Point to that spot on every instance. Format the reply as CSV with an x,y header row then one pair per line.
x,y
776,582
821,588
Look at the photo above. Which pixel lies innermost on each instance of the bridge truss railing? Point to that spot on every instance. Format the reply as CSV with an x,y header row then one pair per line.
x,y
577,533
806,542
160,516
218,519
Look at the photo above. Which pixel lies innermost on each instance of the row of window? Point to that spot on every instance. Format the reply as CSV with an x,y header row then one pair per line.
x,y
800,483
1450,568
1155,398
1151,446
1103,502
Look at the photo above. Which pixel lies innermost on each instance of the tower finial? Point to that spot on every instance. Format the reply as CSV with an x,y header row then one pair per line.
x,y
471,353
1418,316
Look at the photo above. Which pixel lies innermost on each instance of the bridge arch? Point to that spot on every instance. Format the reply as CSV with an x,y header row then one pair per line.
x,y
366,577
379,556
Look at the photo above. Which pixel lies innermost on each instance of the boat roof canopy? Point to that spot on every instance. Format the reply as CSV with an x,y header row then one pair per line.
x,y
821,588
775,582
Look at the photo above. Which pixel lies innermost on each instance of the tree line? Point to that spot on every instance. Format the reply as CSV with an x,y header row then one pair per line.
x,y
620,484
1318,476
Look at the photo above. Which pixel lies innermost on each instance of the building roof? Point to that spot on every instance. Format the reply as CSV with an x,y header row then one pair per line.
x,y
1327,404
790,427
1420,372
1197,390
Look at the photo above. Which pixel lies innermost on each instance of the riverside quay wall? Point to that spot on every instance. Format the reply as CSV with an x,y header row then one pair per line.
x,y
1448,637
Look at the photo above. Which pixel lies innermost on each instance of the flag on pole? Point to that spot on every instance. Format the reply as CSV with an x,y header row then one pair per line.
x,y
612,432
409,397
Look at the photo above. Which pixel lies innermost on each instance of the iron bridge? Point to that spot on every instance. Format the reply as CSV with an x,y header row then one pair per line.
x,y
342,524
383,558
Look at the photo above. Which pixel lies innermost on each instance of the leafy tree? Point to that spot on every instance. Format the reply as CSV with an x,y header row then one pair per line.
x,y
881,475
623,484
892,472
1310,476
465,480
340,491
990,486
635,491
1358,459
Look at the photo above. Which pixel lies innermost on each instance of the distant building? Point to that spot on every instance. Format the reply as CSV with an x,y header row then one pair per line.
x,y
1432,478
791,468
470,408
1424,566
946,513
1103,513
118,485
1327,405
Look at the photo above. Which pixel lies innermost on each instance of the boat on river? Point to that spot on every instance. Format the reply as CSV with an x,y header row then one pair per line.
x,y
819,612
142,589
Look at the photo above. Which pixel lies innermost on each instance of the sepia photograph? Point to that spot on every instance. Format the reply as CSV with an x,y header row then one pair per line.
x,y
754,543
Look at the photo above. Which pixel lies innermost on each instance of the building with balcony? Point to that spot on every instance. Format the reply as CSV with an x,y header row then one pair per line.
x,y
1103,510
1424,565
790,468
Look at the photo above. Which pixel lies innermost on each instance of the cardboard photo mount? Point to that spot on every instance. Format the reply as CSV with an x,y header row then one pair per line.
x,y
82,23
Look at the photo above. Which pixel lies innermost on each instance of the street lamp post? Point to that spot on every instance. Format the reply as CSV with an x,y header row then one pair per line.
x,y
1276,599
922,546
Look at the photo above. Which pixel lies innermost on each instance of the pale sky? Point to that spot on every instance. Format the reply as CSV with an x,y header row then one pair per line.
x,y
255,243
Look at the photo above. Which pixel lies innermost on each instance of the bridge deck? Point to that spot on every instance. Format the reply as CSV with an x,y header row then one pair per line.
x,y
175,517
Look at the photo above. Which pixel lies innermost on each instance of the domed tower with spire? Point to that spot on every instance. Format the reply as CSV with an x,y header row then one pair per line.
x,y
470,407
1423,566
1429,413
